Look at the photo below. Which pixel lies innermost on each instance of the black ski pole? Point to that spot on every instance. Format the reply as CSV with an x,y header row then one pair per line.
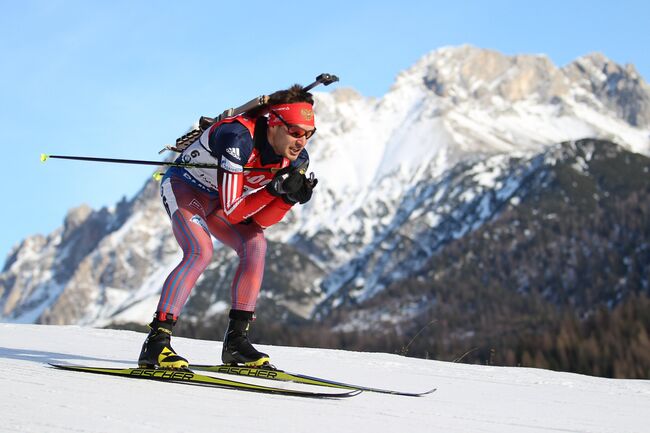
x,y
45,157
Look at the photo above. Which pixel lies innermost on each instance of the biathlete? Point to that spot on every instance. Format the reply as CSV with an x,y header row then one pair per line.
x,y
233,203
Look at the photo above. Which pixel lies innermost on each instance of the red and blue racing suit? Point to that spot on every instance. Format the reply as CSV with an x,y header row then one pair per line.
x,y
229,203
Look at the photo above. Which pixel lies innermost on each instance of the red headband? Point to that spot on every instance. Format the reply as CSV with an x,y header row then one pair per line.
x,y
297,113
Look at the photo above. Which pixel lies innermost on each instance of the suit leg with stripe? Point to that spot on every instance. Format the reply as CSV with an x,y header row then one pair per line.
x,y
187,208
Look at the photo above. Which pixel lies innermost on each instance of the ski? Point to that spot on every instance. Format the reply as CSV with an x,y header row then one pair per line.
x,y
284,376
189,377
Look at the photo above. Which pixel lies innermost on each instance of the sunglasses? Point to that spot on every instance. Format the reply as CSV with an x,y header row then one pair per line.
x,y
294,130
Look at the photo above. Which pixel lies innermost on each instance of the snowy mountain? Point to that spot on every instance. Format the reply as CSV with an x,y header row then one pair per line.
x,y
559,276
444,152
469,398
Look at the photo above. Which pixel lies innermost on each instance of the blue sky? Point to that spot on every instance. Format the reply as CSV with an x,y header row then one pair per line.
x,y
122,78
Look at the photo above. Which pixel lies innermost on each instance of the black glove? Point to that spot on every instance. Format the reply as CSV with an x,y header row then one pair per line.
x,y
286,181
304,192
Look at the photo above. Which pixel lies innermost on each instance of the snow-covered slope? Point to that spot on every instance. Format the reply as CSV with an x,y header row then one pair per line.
x,y
393,173
36,398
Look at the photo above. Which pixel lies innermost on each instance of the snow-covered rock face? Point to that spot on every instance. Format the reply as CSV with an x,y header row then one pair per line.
x,y
430,161
620,88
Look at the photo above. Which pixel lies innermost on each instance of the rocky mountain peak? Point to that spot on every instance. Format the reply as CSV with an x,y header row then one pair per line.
x,y
471,74
346,94
620,88
468,72
75,218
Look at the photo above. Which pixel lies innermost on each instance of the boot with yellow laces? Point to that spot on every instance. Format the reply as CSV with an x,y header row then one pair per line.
x,y
157,351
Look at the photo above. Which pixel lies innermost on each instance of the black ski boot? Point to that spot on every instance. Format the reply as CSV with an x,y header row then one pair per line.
x,y
157,350
237,349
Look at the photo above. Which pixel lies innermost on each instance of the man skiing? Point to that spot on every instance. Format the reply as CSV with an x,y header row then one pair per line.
x,y
233,203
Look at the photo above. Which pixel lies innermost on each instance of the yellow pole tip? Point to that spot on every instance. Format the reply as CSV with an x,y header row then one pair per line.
x,y
44,157
157,176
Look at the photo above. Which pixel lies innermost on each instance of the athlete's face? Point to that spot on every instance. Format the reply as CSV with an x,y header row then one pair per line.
x,y
289,141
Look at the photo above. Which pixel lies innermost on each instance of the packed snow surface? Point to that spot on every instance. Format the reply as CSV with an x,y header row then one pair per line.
x,y
470,398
